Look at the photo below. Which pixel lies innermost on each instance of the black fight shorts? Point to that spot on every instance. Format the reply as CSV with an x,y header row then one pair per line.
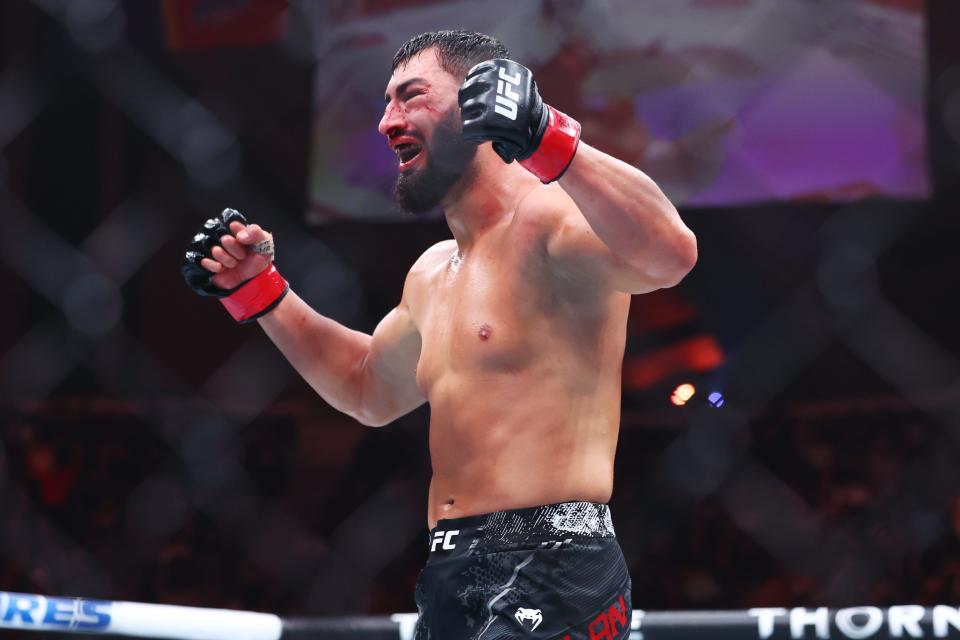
x,y
552,572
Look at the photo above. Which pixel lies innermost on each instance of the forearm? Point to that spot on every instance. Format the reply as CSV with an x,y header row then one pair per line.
x,y
629,213
329,356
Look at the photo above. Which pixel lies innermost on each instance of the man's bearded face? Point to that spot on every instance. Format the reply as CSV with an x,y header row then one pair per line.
x,y
423,186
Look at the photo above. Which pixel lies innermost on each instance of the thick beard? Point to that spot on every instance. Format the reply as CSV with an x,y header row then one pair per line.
x,y
448,157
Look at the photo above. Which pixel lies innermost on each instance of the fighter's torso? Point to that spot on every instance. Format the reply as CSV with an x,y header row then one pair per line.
x,y
521,367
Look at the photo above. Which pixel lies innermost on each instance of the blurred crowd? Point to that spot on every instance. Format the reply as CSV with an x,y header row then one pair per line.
x,y
837,512
105,506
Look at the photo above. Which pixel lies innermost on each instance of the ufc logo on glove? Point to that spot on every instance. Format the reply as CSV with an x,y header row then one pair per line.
x,y
507,96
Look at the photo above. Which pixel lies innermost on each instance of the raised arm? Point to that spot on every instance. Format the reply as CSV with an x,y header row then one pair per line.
x,y
619,227
624,227
372,378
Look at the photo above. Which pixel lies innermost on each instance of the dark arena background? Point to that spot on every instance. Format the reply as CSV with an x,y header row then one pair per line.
x,y
791,411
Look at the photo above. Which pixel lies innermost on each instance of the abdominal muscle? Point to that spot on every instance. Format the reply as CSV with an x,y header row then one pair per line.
x,y
511,440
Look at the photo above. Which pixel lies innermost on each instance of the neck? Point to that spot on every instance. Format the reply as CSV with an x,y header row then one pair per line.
x,y
489,192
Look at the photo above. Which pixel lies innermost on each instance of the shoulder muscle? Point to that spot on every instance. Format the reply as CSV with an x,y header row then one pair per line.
x,y
423,270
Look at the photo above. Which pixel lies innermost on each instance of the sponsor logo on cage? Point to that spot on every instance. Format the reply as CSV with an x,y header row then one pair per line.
x,y
445,540
857,623
507,97
533,615
26,610
905,621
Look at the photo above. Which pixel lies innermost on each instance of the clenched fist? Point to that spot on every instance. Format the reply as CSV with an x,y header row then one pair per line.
x,y
499,102
232,260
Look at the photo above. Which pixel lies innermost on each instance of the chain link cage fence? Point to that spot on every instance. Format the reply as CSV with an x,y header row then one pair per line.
x,y
152,451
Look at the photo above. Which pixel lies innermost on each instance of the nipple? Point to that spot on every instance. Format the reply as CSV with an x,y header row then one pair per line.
x,y
485,332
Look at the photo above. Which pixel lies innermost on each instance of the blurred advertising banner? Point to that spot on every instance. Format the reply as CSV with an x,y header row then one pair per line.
x,y
195,25
722,102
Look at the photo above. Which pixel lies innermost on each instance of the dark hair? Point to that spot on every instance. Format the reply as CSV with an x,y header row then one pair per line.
x,y
457,51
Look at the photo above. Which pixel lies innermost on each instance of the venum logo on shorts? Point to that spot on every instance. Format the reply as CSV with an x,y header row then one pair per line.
x,y
507,97
445,539
533,615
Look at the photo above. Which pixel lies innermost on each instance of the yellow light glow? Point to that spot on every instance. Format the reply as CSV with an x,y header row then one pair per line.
x,y
682,394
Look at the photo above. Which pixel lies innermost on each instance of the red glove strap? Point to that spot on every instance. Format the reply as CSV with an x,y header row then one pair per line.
x,y
259,295
555,153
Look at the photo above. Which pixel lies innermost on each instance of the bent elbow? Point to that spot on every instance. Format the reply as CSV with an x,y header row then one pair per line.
x,y
364,408
371,414
684,255
370,419
687,253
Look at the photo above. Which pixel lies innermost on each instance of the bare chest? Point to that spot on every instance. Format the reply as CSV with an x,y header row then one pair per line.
x,y
482,316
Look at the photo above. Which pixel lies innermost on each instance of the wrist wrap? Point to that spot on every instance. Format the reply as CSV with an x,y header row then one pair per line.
x,y
556,149
257,296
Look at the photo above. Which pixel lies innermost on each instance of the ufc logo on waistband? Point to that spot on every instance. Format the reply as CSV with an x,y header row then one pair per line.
x,y
444,538
507,97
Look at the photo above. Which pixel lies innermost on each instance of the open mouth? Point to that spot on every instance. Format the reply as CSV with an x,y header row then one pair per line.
x,y
407,154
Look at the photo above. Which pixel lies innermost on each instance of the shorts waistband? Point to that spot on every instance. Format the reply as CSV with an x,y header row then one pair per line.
x,y
543,525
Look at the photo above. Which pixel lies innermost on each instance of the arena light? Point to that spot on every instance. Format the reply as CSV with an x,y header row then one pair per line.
x,y
715,399
682,394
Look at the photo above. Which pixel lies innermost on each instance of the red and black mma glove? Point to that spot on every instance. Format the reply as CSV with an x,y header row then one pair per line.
x,y
499,102
248,300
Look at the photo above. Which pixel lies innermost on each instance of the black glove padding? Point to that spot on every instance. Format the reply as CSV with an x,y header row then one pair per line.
x,y
499,102
196,277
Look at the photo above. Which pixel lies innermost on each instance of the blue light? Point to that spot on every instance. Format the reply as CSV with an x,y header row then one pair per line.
x,y
715,399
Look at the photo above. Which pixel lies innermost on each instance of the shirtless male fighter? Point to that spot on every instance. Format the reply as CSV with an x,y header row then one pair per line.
x,y
513,331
